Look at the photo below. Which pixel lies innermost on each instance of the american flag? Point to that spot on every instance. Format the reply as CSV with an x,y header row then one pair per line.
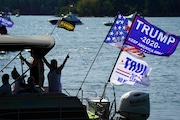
x,y
132,50
117,34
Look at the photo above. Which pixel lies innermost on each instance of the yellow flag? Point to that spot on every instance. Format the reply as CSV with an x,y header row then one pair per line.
x,y
66,25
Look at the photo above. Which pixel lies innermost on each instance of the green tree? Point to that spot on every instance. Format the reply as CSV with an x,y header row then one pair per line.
x,y
92,7
87,7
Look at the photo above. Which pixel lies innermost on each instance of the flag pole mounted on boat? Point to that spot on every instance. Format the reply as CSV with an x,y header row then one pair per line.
x,y
89,68
55,26
121,46
22,62
10,61
116,25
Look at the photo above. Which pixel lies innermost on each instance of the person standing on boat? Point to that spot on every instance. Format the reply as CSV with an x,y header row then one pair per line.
x,y
36,68
5,89
54,75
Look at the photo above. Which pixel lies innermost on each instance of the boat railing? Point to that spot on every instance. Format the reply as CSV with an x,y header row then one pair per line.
x,y
84,94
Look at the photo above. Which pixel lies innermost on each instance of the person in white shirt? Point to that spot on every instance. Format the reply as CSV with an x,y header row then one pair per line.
x,y
54,75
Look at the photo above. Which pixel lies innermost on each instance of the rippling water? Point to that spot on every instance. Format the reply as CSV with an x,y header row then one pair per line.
x,y
84,43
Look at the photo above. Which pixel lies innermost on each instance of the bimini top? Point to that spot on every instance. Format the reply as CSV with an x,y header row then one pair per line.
x,y
40,44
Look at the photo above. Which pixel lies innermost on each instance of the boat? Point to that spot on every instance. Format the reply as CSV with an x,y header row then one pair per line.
x,y
133,105
17,14
70,17
34,106
109,23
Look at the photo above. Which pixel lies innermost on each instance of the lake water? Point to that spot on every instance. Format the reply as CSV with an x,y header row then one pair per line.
x,y
83,45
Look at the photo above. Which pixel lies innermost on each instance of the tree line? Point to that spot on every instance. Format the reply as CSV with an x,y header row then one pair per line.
x,y
97,8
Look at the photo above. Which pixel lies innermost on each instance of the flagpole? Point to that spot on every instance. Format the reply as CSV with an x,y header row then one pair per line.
x,y
55,26
103,94
121,49
90,68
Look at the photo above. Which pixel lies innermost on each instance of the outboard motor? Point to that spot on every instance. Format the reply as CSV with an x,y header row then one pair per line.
x,y
134,105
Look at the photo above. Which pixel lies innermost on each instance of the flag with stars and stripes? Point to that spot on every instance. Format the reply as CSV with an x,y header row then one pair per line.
x,y
118,31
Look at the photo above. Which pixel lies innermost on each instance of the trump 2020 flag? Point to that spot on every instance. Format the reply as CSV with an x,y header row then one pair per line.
x,y
6,22
130,70
151,39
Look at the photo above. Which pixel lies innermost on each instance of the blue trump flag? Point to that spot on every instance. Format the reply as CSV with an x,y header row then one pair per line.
x,y
151,39
6,22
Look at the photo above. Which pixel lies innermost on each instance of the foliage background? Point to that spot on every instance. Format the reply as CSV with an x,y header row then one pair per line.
x,y
156,8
